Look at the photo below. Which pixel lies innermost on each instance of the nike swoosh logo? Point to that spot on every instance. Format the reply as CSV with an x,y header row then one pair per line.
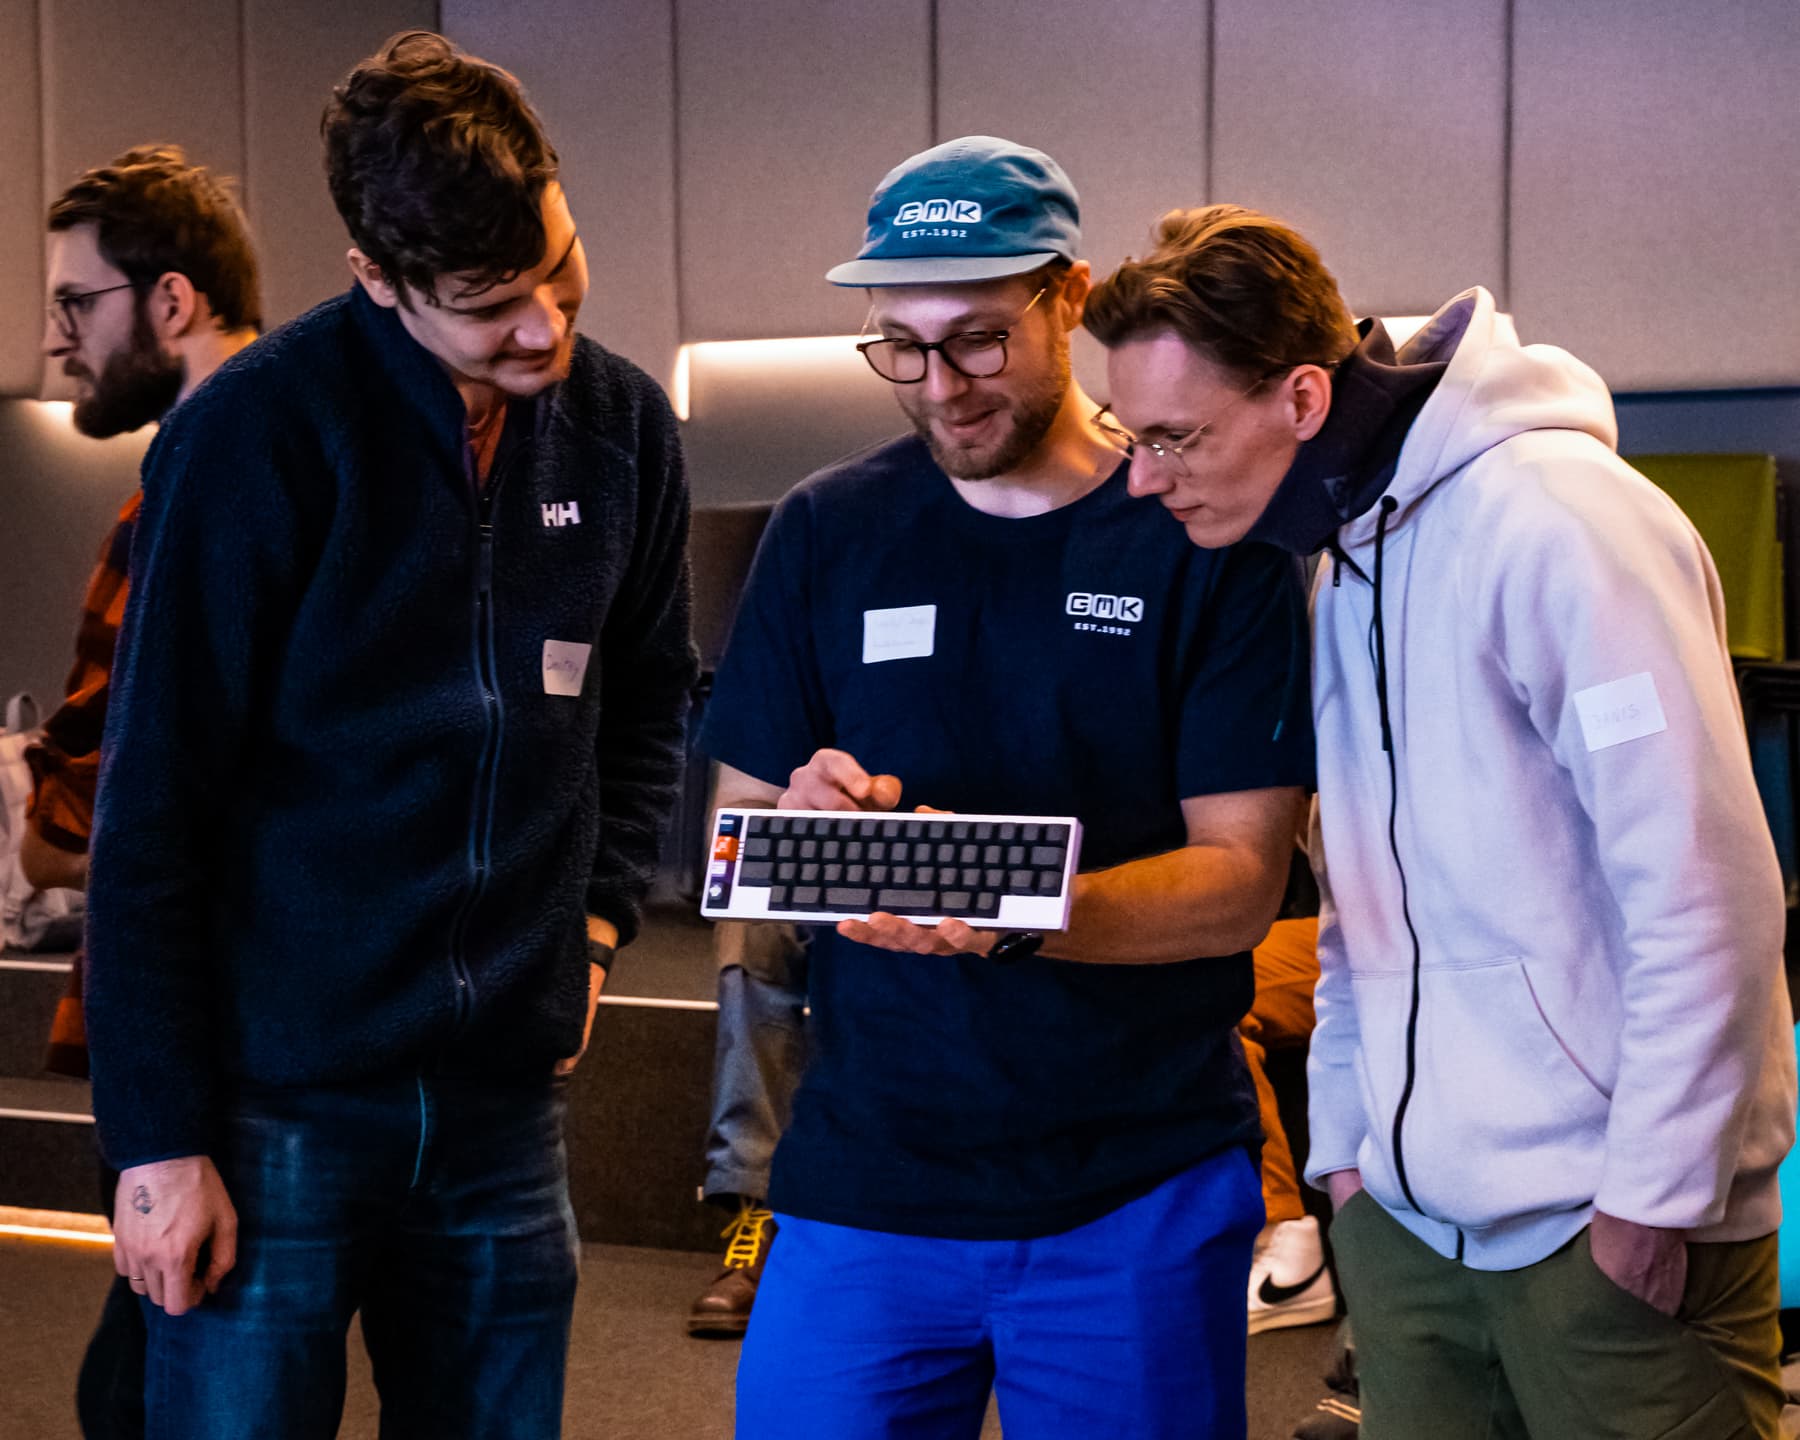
x,y
1272,1294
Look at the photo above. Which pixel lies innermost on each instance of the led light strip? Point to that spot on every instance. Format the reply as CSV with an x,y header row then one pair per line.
x,y
54,1225
802,349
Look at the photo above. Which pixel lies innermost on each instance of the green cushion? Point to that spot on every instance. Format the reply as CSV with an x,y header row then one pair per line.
x,y
1732,501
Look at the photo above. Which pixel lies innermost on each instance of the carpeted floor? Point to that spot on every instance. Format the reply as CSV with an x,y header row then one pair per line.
x,y
633,1374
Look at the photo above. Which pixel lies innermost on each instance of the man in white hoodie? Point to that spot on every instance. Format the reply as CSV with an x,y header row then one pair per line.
x,y
1554,1066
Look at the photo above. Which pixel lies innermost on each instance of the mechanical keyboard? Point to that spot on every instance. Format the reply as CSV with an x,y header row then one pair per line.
x,y
998,872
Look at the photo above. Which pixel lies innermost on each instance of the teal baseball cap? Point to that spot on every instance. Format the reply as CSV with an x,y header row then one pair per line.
x,y
976,208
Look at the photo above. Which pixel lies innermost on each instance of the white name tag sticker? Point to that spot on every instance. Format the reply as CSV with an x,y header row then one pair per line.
x,y
907,633
1620,710
565,666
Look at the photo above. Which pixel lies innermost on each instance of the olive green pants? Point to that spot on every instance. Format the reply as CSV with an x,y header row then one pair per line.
x,y
1556,1351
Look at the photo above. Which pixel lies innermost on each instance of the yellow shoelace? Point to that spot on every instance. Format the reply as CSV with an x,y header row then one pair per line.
x,y
745,1233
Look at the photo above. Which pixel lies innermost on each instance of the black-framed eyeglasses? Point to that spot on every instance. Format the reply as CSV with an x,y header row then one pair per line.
x,y
65,311
1170,449
976,354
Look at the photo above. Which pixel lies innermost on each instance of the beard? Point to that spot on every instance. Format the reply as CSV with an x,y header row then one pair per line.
x,y
138,383
1031,413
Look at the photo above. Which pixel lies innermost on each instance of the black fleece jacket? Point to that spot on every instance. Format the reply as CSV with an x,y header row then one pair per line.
x,y
345,828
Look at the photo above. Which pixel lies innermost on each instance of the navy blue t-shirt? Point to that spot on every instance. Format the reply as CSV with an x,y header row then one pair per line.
x,y
955,1096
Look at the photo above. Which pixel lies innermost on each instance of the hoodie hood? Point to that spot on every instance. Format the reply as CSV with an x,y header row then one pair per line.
x,y
1492,390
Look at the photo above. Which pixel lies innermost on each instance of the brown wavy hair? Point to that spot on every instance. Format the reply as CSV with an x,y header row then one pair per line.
x,y
153,213
1244,289
438,165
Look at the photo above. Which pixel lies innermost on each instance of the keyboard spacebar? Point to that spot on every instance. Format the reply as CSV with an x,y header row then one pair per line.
x,y
849,898
906,900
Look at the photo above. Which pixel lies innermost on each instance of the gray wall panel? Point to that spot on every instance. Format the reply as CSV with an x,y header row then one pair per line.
x,y
1126,118
293,55
1376,130
1656,194
21,218
790,112
122,72
603,79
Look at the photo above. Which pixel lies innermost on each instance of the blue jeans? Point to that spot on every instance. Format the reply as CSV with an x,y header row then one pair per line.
x,y
1131,1326
438,1208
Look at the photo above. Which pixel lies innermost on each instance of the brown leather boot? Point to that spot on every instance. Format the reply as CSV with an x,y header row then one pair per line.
x,y
724,1310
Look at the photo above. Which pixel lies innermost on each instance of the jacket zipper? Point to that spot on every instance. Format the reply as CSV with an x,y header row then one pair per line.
x,y
487,775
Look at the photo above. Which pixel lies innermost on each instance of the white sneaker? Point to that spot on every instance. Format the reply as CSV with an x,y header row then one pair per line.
x,y
1289,1284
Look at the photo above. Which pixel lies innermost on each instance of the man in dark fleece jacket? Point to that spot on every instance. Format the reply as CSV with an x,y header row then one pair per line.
x,y
395,728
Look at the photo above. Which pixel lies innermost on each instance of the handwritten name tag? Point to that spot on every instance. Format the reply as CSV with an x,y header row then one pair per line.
x,y
565,666
906,633
1620,710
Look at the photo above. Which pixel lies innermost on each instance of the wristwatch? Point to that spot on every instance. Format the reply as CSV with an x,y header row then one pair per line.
x,y
1016,945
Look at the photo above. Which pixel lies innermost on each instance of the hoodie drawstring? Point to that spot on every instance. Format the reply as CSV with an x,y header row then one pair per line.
x,y
1388,506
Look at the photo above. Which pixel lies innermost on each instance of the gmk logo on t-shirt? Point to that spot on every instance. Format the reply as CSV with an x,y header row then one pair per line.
x,y
938,212
1095,610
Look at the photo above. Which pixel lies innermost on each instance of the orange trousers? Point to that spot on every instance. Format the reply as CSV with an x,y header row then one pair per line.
x,y
1287,969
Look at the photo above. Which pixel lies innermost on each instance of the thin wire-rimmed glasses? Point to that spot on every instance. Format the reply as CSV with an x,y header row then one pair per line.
x,y
976,354
65,311
1170,449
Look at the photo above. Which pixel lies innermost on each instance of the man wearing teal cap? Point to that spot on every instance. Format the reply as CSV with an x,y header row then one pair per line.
x,y
1030,1176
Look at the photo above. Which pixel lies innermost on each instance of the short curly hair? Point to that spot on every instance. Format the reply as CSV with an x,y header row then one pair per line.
x,y
1245,290
153,214
438,165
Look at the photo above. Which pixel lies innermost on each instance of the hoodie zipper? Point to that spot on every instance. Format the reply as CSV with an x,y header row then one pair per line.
x,y
1388,507
487,773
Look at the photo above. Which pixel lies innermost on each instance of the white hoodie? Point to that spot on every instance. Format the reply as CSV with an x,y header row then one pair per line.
x,y
1601,1014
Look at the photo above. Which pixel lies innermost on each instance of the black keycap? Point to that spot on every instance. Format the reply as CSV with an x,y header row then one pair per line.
x,y
915,829
1015,854
968,854
1056,834
759,848
1049,884
1030,833
847,897
757,825
778,896
957,899
878,874
924,875
829,850
784,849
878,850
987,903
855,874
799,825
847,828
833,874
946,853
984,830
1009,832
960,830
853,850
900,850
890,829
778,825
905,899
757,872
809,849
787,870
809,874
990,854
903,874
1048,856
971,878
804,896
1021,882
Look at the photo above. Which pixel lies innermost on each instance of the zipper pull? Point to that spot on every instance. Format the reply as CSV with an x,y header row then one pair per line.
x,y
485,567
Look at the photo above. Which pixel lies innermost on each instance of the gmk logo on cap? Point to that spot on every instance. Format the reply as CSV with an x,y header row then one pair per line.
x,y
936,212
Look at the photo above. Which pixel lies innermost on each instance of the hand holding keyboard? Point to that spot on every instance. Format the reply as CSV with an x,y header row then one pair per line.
x,y
1005,872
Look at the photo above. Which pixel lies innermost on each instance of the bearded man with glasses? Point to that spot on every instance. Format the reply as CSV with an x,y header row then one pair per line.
x,y
1034,1176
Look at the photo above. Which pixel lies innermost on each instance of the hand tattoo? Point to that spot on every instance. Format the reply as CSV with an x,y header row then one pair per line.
x,y
141,1201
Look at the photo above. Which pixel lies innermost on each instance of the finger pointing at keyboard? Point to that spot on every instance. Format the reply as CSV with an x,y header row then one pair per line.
x,y
833,780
